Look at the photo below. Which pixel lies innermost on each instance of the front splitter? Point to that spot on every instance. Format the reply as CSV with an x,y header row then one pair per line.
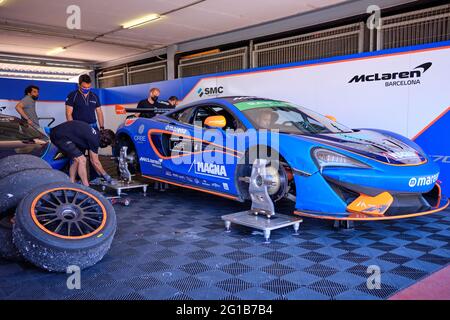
x,y
365,217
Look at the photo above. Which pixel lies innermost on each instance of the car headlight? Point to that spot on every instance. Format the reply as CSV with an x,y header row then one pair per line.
x,y
59,156
328,158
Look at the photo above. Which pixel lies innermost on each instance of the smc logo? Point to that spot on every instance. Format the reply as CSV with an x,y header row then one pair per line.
x,y
210,91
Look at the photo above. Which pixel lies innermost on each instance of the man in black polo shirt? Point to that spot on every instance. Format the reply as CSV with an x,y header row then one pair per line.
x,y
84,105
74,138
152,103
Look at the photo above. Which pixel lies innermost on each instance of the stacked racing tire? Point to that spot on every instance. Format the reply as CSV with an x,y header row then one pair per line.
x,y
19,174
64,224
49,221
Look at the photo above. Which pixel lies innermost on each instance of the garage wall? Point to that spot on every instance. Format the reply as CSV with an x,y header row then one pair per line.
x,y
415,104
51,97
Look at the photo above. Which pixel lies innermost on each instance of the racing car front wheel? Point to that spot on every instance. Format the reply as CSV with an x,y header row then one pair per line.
x,y
278,176
275,170
132,157
64,224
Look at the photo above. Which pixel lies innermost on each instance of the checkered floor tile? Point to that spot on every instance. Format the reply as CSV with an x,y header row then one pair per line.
x,y
172,245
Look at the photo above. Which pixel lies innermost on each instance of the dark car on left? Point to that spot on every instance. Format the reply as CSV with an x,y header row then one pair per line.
x,y
18,137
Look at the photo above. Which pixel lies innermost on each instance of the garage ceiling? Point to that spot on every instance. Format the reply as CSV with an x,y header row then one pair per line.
x,y
35,27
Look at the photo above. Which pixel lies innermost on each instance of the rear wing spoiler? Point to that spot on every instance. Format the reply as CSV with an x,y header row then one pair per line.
x,y
120,109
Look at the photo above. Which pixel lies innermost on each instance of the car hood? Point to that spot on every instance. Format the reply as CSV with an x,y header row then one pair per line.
x,y
34,147
372,144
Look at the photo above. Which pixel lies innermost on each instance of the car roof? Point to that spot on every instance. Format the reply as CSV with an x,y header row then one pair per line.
x,y
235,99
228,99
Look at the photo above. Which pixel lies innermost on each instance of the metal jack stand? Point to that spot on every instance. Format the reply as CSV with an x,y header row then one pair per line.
x,y
261,216
125,181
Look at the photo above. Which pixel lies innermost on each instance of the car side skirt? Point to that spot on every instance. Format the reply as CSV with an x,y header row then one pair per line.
x,y
224,195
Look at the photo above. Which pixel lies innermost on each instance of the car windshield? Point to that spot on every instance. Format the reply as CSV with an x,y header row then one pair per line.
x,y
13,130
288,118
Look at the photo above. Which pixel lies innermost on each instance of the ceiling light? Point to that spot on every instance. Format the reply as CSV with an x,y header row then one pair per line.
x,y
16,75
56,51
2,1
141,21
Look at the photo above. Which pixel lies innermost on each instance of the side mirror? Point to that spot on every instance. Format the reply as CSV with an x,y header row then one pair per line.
x,y
216,122
331,118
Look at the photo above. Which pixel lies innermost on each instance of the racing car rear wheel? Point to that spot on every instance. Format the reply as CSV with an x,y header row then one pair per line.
x,y
63,224
20,162
132,157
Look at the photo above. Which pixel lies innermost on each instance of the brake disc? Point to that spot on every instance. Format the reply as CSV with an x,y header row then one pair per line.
x,y
274,176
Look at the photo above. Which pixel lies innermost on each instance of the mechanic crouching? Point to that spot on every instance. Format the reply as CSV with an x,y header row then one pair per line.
x,y
74,138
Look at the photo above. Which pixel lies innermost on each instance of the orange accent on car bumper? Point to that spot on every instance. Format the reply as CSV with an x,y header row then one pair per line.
x,y
365,217
439,195
372,206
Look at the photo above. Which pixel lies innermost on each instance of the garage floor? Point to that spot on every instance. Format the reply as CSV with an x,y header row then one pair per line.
x,y
172,245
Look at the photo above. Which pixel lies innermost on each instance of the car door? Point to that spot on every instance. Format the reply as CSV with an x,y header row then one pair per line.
x,y
197,155
167,143
215,158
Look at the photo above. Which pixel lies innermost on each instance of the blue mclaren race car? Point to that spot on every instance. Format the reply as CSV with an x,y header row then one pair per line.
x,y
329,170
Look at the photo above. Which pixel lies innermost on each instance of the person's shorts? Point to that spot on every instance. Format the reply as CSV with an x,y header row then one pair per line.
x,y
67,147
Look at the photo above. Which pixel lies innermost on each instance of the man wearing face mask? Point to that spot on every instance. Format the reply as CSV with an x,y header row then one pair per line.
x,y
27,106
152,103
84,105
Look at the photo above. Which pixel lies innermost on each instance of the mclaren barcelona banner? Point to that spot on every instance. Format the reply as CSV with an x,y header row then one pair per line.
x,y
401,91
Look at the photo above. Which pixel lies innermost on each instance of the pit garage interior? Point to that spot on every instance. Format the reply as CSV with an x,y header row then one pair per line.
x,y
369,64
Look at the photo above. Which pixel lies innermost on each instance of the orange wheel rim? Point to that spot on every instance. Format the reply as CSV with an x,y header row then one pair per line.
x,y
68,213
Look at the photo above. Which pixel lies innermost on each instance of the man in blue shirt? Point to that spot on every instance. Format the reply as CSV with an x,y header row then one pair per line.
x,y
74,138
84,105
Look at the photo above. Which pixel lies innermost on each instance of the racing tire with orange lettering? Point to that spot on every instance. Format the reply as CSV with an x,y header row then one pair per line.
x,y
61,225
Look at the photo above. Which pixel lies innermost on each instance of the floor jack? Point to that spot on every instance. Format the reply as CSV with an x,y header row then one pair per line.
x,y
124,183
262,215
